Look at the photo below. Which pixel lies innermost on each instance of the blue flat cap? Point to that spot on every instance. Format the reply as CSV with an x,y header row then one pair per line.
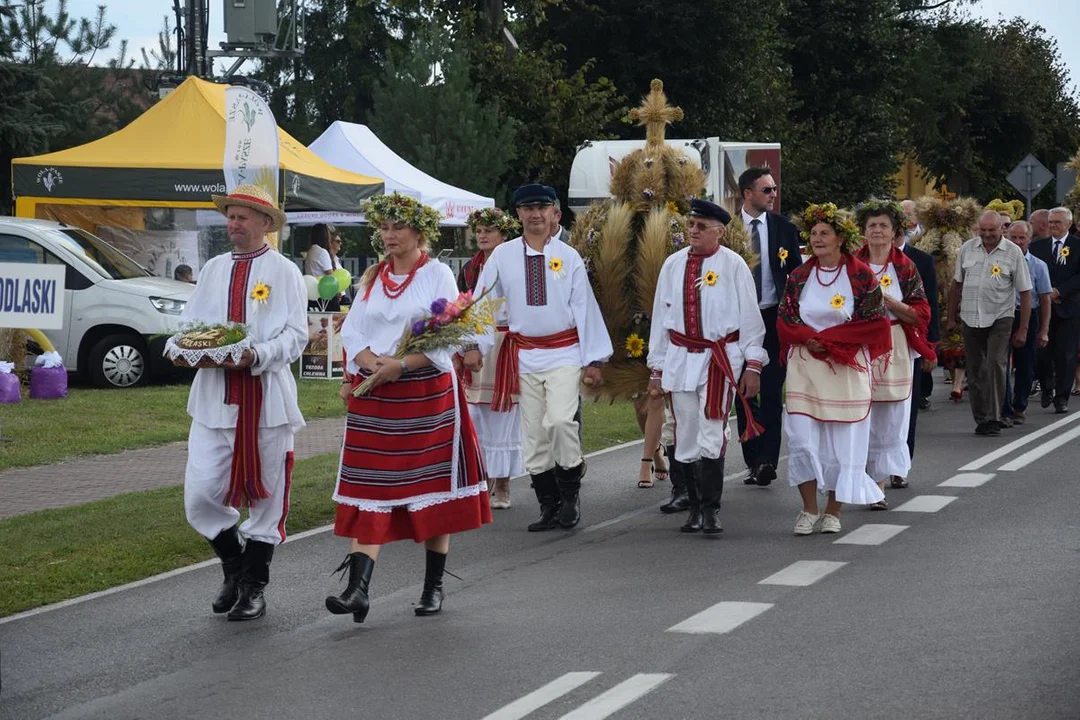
x,y
706,209
534,195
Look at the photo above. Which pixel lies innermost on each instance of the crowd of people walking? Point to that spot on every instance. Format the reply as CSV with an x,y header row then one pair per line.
x,y
828,339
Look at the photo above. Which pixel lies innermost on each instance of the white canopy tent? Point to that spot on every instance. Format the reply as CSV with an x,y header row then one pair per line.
x,y
350,146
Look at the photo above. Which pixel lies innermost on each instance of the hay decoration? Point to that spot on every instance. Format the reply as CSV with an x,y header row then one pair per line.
x,y
947,224
625,241
737,239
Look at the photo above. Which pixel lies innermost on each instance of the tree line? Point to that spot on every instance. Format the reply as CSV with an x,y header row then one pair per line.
x,y
487,94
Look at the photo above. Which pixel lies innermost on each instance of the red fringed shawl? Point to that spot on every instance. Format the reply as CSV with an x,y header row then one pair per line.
x,y
868,327
911,286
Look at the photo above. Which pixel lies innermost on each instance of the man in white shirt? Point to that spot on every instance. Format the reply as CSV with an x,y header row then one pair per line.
x,y
776,242
244,414
706,347
557,339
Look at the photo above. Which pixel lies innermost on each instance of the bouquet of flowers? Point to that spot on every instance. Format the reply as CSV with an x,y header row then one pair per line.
x,y
450,324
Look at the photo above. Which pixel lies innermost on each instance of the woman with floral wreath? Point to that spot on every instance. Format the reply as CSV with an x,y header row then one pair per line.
x,y
832,327
908,310
411,467
499,432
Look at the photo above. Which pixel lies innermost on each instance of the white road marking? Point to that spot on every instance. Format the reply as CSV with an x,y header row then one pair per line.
x,y
721,618
967,480
1019,443
871,534
925,503
803,573
542,696
1048,447
207,563
618,697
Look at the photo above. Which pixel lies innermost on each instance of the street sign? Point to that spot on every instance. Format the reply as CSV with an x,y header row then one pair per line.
x,y
1066,178
1030,177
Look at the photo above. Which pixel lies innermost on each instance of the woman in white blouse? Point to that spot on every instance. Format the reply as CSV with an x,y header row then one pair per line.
x,y
320,261
411,467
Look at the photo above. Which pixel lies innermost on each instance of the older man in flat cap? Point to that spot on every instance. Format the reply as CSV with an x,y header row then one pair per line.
x,y
557,338
244,414
706,348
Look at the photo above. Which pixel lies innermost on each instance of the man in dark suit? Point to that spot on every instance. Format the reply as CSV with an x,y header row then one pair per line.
x,y
925,265
1057,361
776,242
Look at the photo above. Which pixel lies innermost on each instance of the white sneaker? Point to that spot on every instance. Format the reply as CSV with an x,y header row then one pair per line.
x,y
830,523
805,523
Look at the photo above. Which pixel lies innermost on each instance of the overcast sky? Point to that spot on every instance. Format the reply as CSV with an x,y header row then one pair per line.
x,y
140,20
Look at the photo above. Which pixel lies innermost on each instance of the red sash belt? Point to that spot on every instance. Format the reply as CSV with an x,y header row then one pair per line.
x,y
245,479
719,371
506,368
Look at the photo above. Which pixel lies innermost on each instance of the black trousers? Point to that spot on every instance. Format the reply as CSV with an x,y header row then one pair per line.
x,y
916,393
1057,361
768,406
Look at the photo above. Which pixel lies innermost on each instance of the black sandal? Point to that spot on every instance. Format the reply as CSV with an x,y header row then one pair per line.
x,y
897,482
646,484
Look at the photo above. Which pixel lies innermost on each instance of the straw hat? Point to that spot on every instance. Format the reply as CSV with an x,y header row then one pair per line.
x,y
254,197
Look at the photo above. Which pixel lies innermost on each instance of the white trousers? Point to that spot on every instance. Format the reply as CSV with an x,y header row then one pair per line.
x,y
549,401
696,436
206,482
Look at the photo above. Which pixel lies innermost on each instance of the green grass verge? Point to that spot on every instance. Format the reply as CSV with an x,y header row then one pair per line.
x,y
54,555
91,421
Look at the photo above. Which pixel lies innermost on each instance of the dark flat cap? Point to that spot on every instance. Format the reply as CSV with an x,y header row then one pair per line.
x,y
534,195
706,209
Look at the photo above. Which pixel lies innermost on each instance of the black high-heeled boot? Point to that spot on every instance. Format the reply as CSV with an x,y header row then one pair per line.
x,y
355,599
432,597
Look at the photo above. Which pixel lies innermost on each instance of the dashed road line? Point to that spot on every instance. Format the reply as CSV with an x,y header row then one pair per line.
x,y
925,503
721,618
618,697
542,696
803,573
967,480
872,534
1019,443
1047,447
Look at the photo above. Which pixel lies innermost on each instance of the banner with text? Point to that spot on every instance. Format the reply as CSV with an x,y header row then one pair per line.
x,y
251,144
31,296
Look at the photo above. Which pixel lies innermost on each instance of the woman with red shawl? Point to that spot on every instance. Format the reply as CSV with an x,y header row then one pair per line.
x,y
832,327
909,315
499,432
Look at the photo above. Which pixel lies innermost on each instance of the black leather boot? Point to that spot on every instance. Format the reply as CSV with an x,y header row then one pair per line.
x,y
711,484
432,597
254,575
569,483
693,494
228,546
355,598
547,494
679,500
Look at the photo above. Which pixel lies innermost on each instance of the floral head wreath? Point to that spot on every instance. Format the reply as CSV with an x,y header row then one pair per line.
x,y
842,221
876,206
494,218
402,208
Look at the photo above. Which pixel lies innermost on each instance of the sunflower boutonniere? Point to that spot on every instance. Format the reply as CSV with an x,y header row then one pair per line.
x,y
1063,255
260,293
555,265
885,281
783,255
709,279
995,271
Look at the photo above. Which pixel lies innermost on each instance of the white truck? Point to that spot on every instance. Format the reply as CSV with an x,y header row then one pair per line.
x,y
722,162
115,311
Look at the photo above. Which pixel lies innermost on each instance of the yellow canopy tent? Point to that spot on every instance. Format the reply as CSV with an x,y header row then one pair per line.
x,y
171,157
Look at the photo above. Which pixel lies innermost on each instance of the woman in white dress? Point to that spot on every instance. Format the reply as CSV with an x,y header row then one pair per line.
x,y
319,261
909,315
499,432
832,326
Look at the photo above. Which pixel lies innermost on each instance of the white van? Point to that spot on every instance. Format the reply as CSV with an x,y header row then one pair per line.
x,y
116,312
723,162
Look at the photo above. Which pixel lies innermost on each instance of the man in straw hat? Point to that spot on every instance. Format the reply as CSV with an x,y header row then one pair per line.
x,y
244,414
557,339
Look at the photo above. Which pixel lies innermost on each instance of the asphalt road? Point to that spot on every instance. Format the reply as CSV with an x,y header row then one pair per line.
x,y
965,612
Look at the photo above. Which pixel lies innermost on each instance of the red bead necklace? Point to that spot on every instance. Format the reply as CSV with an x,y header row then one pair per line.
x,y
394,289
817,273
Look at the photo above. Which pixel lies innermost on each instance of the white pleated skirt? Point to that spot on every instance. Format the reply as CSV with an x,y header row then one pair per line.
x,y
888,453
832,453
499,434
